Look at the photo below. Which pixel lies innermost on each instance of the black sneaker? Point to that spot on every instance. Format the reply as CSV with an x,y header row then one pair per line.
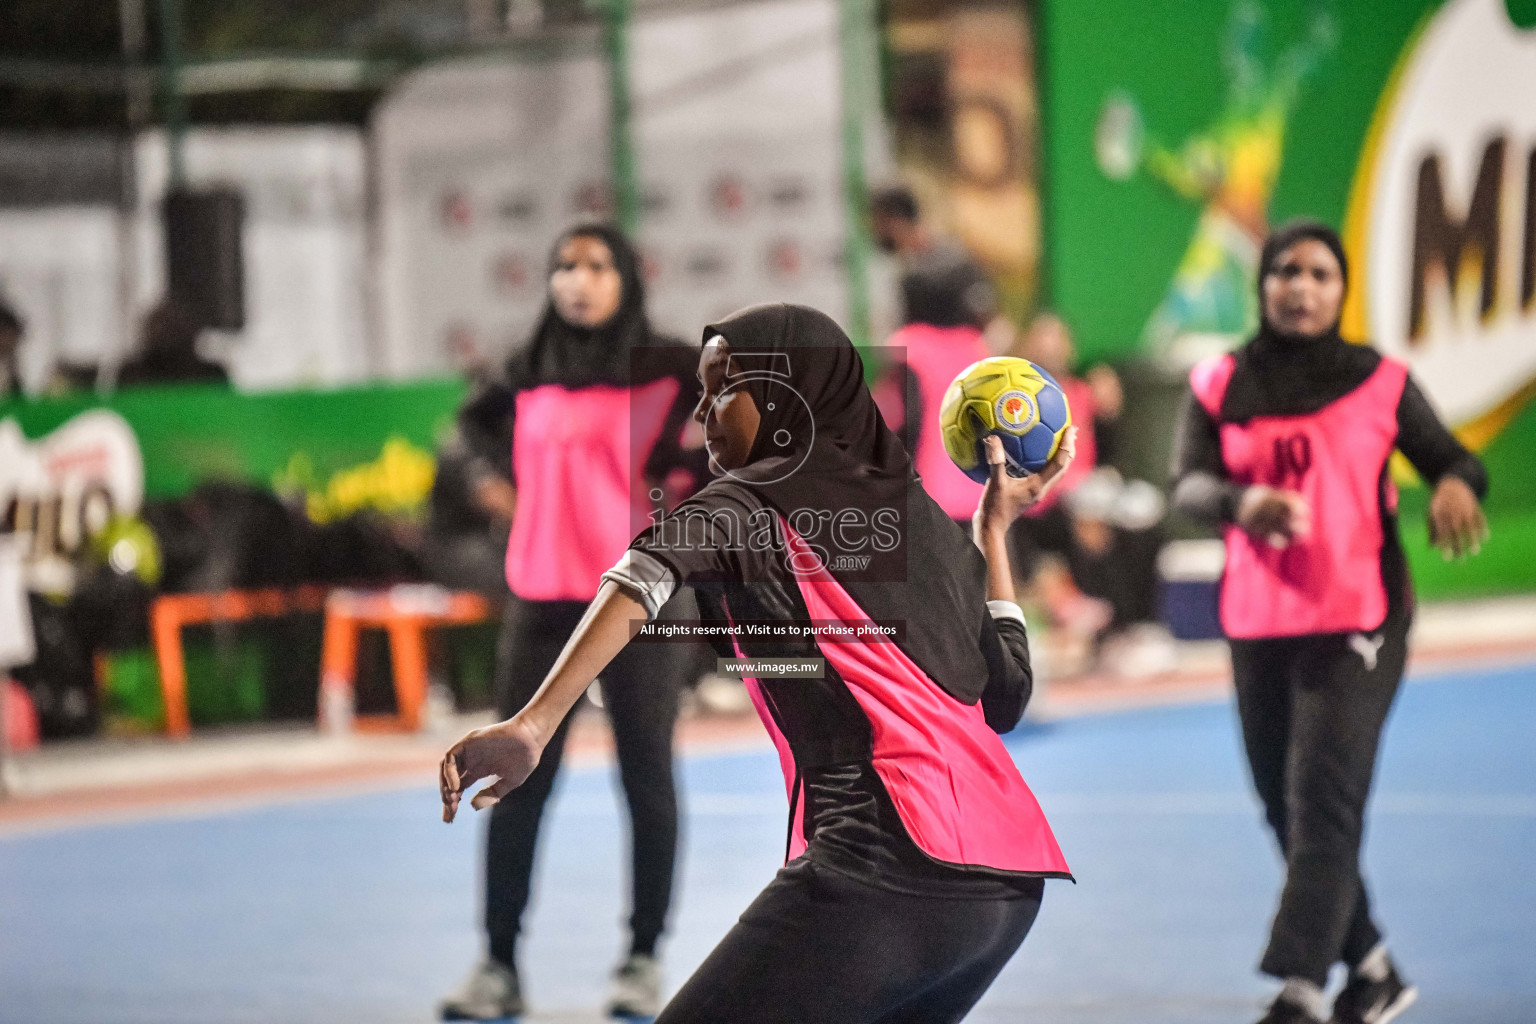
x,y
1283,1011
1373,1002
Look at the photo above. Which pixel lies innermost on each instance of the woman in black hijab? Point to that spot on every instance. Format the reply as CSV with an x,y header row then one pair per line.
x,y
571,448
1284,445
916,852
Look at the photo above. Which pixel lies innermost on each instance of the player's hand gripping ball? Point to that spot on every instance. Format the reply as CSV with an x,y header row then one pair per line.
x,y
1011,398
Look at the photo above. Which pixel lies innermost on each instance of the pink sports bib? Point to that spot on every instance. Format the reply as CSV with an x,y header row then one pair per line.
x,y
1329,582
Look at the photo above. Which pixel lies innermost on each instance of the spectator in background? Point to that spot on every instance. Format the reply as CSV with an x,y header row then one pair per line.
x,y
949,307
921,362
468,518
1096,398
941,285
1096,404
168,351
1116,533
12,327
1096,401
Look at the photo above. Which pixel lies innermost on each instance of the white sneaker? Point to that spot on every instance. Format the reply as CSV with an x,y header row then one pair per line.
x,y
636,990
491,992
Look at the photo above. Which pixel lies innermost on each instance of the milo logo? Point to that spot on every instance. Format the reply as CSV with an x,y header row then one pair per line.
x,y
1442,220
59,491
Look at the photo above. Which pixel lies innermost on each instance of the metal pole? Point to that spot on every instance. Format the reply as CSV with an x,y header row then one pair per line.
x,y
626,191
856,34
137,88
175,103
138,98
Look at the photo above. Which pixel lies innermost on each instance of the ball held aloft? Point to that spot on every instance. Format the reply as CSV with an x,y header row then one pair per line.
x,y
1012,399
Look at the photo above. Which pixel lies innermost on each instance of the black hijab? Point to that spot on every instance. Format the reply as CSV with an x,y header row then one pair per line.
x,y
575,356
823,449
1280,374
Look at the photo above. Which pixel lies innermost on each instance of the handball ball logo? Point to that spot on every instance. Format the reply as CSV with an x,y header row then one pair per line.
x,y
771,371
1015,412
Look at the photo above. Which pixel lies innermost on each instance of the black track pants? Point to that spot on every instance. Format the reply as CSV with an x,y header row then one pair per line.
x,y
640,693
820,947
1312,710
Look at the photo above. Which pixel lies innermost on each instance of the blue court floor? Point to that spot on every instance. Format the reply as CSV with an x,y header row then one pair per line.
x,y
363,908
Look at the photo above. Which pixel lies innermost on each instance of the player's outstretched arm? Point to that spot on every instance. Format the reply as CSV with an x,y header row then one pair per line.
x,y
510,750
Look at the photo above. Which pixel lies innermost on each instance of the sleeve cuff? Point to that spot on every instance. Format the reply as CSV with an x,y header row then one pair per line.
x,y
645,579
1006,610
1469,470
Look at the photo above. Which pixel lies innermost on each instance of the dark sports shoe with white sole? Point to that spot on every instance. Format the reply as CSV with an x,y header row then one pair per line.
x,y
491,992
1283,1011
1363,1001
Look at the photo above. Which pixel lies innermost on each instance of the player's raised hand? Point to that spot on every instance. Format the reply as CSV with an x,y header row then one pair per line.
x,y
1005,496
506,751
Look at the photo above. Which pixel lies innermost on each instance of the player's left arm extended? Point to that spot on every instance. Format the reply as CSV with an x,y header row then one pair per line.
x,y
1459,479
510,750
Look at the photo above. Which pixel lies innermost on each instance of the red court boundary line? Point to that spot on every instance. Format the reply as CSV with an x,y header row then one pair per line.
x,y
589,741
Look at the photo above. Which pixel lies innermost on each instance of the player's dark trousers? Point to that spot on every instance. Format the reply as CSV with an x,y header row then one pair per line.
x,y
1312,710
640,694
820,947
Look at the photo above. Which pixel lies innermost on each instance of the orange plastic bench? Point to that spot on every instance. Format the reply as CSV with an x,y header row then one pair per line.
x,y
406,613
170,612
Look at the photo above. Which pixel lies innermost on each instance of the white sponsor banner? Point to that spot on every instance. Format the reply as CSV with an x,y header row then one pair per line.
x,y
1449,208
736,128
305,248
305,257
58,268
479,164
740,152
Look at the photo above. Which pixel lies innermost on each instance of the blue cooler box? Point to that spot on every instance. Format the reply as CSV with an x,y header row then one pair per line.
x,y
1189,576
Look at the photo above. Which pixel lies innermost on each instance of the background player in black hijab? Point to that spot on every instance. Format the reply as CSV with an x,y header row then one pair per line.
x,y
585,424
1312,537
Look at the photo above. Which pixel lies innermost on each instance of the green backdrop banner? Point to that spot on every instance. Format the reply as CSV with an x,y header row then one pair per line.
x,y
1175,135
344,448
1156,114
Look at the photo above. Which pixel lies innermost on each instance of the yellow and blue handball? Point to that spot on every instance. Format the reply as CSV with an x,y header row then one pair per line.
x,y
1012,398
